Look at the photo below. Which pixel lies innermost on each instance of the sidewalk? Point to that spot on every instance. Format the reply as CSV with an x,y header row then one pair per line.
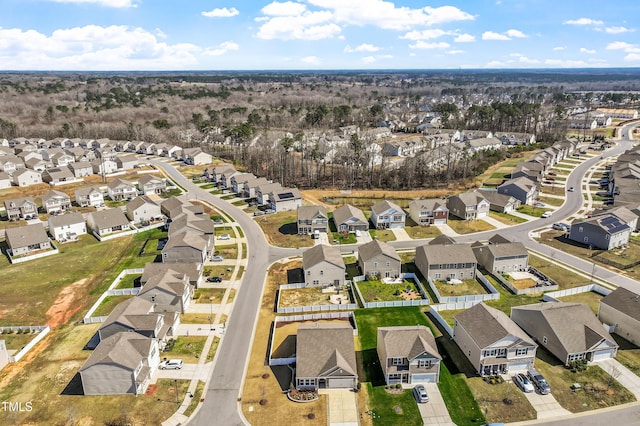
x,y
447,230
493,222
626,377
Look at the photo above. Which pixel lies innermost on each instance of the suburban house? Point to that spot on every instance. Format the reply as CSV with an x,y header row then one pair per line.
x,y
500,203
604,231
139,315
237,181
625,215
5,180
502,257
143,209
323,266
21,208
408,354
325,357
379,259
89,196
350,219
170,292
387,215
126,162
214,174
492,341
446,262
187,247
284,199
520,188
26,177
429,212
27,240
250,185
570,331
81,169
121,364
54,202
193,223
67,227
468,206
620,309
58,175
529,169
195,156
312,218
193,271
262,191
150,184
120,190
104,166
108,221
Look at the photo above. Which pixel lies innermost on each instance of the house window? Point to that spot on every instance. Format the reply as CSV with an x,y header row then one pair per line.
x,y
544,340
388,264
580,229
586,239
321,272
575,357
424,363
308,273
438,276
521,351
375,264
316,282
397,361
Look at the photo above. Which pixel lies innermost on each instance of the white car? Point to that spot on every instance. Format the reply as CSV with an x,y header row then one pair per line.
x,y
420,393
217,258
172,364
545,215
224,237
523,383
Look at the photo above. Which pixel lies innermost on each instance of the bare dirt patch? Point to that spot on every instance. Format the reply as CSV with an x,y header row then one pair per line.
x,y
63,307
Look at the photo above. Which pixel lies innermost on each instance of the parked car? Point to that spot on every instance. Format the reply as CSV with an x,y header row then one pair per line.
x,y
258,213
523,383
539,382
558,226
545,215
551,174
172,364
539,204
420,393
217,259
214,280
570,189
223,237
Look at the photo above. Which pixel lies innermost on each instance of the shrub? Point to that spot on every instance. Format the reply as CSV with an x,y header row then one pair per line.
x,y
398,386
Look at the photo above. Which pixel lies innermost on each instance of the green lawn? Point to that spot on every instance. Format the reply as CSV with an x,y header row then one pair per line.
x,y
382,235
460,402
108,304
564,277
377,291
590,298
393,409
418,232
17,341
188,348
552,201
342,238
209,295
506,218
532,211
507,299
471,286
129,281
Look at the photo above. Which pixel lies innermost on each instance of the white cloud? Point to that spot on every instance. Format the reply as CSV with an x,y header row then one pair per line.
x,y
287,8
222,48
455,52
632,50
632,57
312,60
221,13
618,30
559,63
515,34
495,64
425,34
369,59
92,47
585,50
362,48
105,3
308,26
464,38
558,48
424,45
490,35
583,21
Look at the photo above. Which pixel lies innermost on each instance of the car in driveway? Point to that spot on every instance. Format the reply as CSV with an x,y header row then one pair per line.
x,y
523,383
545,215
171,364
223,237
214,280
217,259
561,227
539,382
420,393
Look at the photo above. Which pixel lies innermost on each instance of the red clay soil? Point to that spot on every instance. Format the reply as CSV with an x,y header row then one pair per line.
x,y
63,307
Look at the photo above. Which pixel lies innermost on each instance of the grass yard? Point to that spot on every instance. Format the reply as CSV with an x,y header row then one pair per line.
x,y
17,341
471,286
222,271
491,400
196,399
590,298
196,318
310,296
228,251
507,299
108,304
599,389
209,295
468,226
419,232
460,402
532,210
382,235
393,409
377,291
281,230
189,348
506,218
208,186
213,349
552,201
342,238
449,315
261,382
628,354
564,277
130,281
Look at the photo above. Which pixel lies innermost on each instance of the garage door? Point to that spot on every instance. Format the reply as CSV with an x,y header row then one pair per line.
x,y
482,214
423,378
340,383
396,225
600,355
518,366
440,222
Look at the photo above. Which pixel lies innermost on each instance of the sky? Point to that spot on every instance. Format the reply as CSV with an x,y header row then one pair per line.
x,y
155,35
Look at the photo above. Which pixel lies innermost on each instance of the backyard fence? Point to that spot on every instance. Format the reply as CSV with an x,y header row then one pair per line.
x,y
112,291
393,303
41,330
310,308
21,259
541,286
492,293
554,295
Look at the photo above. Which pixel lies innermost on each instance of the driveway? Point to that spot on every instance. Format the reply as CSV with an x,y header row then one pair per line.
x,y
435,411
187,372
546,405
343,409
625,377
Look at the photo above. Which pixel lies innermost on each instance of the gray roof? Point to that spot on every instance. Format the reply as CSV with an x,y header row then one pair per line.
x,y
108,218
85,191
148,178
385,205
124,349
448,253
310,212
507,249
285,194
322,253
470,198
321,348
54,194
375,248
66,219
521,182
139,202
192,270
27,235
119,182
429,204
169,281
135,313
487,325
346,212
18,202
498,199
574,324
624,301
442,240
187,239
189,221
622,213
407,341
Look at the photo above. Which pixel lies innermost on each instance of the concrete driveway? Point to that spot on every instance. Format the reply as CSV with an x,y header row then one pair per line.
x,y
343,409
434,412
546,405
187,372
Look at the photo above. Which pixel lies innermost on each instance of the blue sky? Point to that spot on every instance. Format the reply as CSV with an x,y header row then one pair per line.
x,y
317,34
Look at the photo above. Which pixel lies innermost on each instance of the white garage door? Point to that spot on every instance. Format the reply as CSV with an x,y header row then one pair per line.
x,y
518,366
600,355
340,383
440,222
482,214
423,378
